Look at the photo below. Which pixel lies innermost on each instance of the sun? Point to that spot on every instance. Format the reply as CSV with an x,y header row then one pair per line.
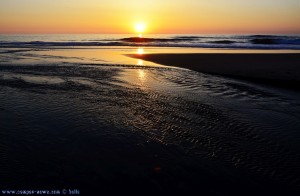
x,y
140,27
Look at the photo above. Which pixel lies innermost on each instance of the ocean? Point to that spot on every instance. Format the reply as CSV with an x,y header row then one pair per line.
x,y
77,113
157,40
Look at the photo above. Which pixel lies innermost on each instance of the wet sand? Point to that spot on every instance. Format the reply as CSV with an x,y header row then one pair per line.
x,y
116,129
278,69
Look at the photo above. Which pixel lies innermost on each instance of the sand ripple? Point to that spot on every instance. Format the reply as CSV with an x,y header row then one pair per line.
x,y
244,128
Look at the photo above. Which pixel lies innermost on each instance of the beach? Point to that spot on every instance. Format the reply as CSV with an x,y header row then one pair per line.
x,y
278,69
117,98
147,120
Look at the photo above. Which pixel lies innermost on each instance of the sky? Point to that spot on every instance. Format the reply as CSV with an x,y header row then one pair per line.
x,y
159,16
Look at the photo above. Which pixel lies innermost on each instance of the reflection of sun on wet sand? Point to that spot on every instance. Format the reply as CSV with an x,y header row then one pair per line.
x,y
281,69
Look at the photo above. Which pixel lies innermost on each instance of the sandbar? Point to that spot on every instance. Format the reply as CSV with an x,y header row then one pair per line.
x,y
278,69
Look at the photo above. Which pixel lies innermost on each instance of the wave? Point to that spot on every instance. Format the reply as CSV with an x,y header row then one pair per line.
x,y
273,41
174,39
220,41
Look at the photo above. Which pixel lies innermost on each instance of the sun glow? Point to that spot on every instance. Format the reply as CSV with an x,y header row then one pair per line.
x,y
140,28
140,62
140,51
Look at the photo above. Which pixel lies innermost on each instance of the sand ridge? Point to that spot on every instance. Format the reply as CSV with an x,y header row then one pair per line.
x,y
279,69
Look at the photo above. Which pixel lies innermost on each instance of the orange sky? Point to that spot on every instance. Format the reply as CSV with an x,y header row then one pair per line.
x,y
160,16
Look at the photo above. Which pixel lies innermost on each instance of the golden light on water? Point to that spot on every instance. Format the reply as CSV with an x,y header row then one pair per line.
x,y
140,62
140,51
142,75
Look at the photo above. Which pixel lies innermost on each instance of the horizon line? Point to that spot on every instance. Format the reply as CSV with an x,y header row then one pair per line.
x,y
258,33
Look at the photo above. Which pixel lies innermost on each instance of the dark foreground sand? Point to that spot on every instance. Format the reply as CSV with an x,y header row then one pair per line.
x,y
279,69
128,130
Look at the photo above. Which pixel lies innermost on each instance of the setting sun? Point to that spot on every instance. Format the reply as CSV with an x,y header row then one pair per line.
x,y
140,27
162,97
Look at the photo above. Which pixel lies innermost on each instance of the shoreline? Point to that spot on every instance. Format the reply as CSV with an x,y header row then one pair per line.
x,y
276,69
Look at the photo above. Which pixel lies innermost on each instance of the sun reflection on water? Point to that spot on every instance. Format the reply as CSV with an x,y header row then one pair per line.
x,y
141,75
140,51
140,62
